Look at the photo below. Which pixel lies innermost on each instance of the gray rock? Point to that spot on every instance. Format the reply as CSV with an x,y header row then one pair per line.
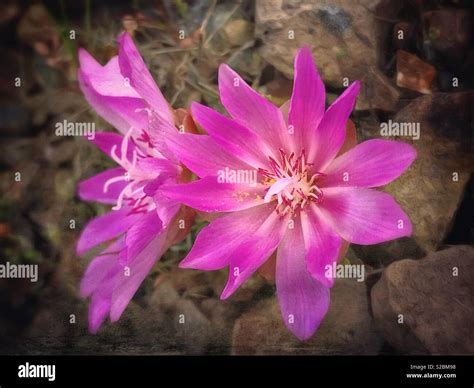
x,y
345,41
436,307
428,191
346,329
431,190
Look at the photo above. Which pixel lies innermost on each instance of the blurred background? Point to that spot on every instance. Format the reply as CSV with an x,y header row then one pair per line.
x,y
415,59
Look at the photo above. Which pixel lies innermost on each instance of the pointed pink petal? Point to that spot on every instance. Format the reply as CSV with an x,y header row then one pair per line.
x,y
131,277
370,164
254,251
251,110
190,149
154,166
209,195
364,216
104,228
133,68
329,137
120,112
98,310
107,80
232,137
139,235
307,100
96,273
230,230
166,209
100,267
322,244
159,131
98,282
303,300
92,189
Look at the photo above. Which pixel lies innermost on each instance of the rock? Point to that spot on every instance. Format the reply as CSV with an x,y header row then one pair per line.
x,y
345,39
14,119
431,190
413,73
36,28
436,305
194,320
346,329
380,255
222,315
377,92
447,31
238,32
226,28
402,36
10,10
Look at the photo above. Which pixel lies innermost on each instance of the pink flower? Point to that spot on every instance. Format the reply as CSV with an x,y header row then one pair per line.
x,y
305,201
141,224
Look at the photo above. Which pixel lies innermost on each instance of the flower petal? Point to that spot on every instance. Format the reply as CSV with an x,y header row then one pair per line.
x,y
92,189
254,251
190,149
106,80
329,136
166,209
322,244
104,228
159,130
98,310
232,137
209,195
105,141
303,300
251,110
230,230
120,112
139,235
307,100
154,167
99,267
364,216
370,164
131,277
133,68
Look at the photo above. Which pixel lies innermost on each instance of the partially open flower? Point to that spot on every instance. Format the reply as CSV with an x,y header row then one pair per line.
x,y
142,224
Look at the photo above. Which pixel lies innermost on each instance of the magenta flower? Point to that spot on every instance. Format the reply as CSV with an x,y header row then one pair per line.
x,y
140,226
305,199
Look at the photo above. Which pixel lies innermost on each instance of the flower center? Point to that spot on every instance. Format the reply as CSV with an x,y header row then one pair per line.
x,y
133,192
290,184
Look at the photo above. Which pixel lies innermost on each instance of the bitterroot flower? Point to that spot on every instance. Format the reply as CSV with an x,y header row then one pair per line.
x,y
142,223
305,201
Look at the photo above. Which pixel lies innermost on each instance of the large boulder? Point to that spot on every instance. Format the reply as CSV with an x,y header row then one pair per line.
x,y
427,305
346,40
432,189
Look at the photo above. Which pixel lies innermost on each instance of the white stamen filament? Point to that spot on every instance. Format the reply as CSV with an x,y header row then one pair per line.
x,y
132,173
